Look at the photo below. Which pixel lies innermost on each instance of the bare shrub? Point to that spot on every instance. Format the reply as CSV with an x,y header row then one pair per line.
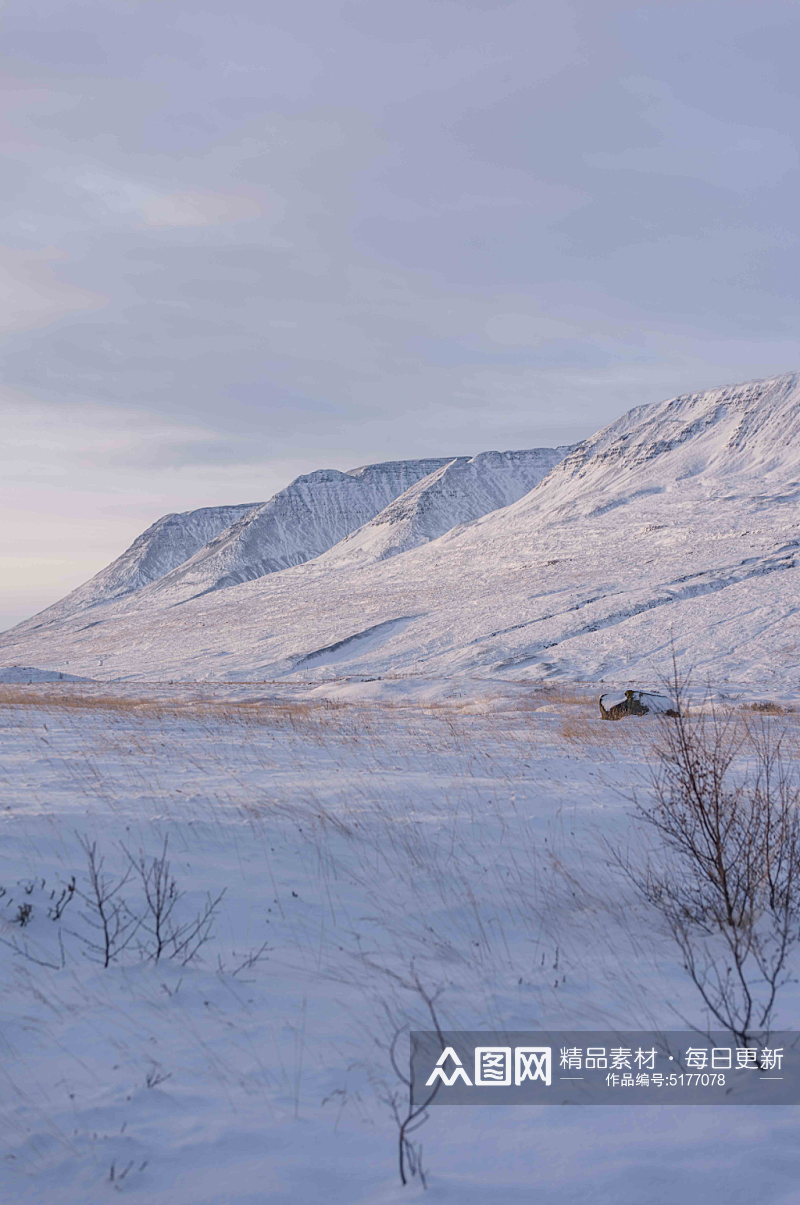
x,y
107,913
724,867
409,1113
161,895
187,940
156,1075
181,940
59,902
24,916
117,1176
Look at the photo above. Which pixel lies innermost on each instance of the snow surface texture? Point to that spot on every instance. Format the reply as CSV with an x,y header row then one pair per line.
x,y
679,521
357,846
28,674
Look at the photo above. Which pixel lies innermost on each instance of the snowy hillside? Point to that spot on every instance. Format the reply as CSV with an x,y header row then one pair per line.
x,y
169,542
459,492
26,675
300,522
681,519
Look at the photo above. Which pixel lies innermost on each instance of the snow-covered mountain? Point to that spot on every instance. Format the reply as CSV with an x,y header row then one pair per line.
x,y
717,441
679,522
191,553
186,555
456,493
169,542
300,522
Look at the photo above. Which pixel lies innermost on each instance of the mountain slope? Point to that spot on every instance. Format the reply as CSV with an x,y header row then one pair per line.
x,y
182,555
720,440
313,513
678,523
171,540
456,493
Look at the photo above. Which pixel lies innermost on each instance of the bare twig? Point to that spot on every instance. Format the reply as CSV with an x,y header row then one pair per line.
x,y
56,908
161,896
408,1112
724,868
24,952
107,914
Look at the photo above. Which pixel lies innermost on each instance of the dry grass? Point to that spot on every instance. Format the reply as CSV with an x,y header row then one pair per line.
x,y
567,693
570,694
65,697
391,732
590,736
398,735
309,718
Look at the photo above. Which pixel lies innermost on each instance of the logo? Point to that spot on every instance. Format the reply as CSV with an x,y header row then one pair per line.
x,y
440,1073
602,1067
493,1067
533,1062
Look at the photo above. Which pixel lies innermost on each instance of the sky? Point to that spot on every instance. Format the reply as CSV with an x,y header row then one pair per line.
x,y
243,241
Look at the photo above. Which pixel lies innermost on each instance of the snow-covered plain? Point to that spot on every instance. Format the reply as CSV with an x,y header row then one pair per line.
x,y
452,835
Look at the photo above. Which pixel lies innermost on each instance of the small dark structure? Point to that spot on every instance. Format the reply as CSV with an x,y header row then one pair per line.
x,y
619,704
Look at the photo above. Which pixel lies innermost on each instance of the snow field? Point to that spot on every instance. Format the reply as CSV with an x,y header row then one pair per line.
x,y
365,842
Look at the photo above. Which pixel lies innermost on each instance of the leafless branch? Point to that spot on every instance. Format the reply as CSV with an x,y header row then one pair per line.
x,y
723,868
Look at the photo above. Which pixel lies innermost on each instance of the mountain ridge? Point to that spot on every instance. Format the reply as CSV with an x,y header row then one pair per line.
x,y
187,555
171,539
676,526
457,493
298,523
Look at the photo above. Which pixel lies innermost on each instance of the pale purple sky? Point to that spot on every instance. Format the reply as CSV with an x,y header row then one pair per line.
x,y
246,240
